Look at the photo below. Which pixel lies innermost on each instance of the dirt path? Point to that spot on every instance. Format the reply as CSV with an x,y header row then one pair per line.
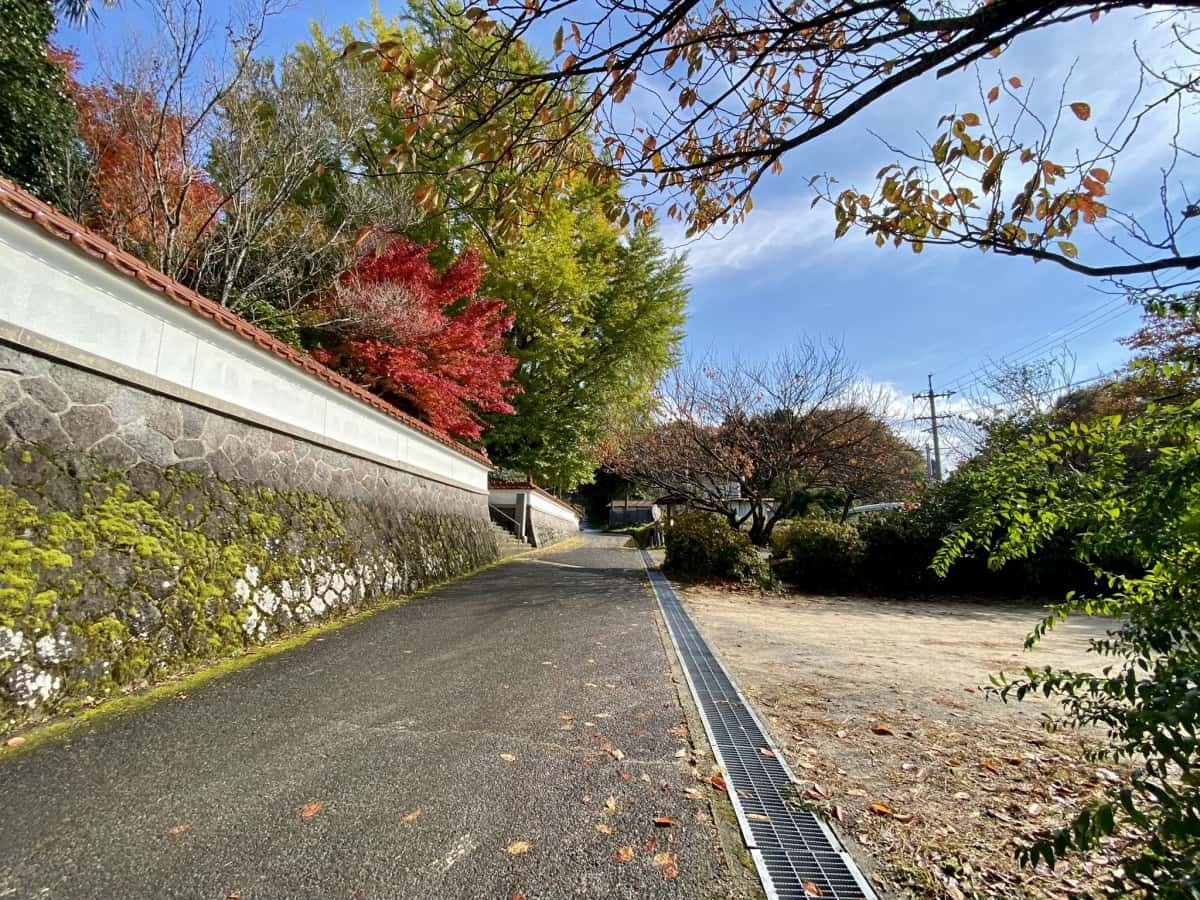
x,y
878,702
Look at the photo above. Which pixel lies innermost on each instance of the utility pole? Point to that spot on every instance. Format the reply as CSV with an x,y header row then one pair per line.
x,y
932,418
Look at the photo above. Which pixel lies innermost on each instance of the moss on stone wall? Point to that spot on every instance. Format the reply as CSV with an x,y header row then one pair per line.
x,y
111,579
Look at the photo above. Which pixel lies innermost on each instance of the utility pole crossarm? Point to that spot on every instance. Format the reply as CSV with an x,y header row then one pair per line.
x,y
932,418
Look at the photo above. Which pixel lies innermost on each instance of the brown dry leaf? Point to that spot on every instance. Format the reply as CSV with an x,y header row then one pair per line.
x,y
610,805
508,757
758,817
681,753
624,855
616,754
693,794
1014,760
519,895
882,729
1082,111
14,742
308,810
881,809
411,817
767,751
567,717
662,858
718,782
234,895
962,795
664,821
517,848
671,870
604,829
816,792
178,829
812,889
903,819
989,765
649,845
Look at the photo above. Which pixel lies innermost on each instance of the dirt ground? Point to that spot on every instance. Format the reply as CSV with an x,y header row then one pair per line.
x,y
878,707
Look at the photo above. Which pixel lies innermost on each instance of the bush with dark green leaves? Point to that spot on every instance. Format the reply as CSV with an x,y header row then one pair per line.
x,y
37,119
819,554
704,545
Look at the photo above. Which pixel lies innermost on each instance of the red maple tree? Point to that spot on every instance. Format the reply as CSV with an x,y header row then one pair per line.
x,y
421,339
146,193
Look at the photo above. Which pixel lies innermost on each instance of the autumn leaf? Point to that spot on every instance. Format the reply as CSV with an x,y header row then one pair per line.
x,y
508,757
671,870
411,817
993,95
881,809
970,119
517,848
664,821
882,729
610,805
811,889
1015,82
308,810
14,742
1082,111
604,829
693,794
616,754
624,855
758,817
767,751
718,782
989,765
178,829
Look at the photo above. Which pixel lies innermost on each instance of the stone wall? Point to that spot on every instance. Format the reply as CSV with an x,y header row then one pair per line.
x,y
550,529
140,534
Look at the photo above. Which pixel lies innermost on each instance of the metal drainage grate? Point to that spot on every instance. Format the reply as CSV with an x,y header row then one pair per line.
x,y
789,845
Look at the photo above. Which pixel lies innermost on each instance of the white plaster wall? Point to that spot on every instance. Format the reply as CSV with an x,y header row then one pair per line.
x,y
55,292
550,508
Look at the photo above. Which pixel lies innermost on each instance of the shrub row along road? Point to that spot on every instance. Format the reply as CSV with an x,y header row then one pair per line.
x,y
463,745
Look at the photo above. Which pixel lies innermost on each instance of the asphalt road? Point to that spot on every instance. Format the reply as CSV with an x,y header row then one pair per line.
x,y
396,727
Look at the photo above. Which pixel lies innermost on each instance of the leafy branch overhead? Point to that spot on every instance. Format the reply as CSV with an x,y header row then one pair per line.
x,y
720,92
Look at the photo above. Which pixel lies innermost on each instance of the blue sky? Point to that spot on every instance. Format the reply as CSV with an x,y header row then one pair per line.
x,y
781,276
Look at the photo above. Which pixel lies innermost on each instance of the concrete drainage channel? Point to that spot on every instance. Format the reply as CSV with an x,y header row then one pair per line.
x,y
792,848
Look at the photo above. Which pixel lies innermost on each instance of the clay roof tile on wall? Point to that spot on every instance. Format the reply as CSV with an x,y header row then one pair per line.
x,y
24,205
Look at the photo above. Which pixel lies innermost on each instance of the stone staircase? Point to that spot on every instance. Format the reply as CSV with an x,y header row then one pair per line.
x,y
508,543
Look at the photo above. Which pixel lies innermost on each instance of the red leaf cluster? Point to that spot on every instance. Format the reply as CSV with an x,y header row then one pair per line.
x,y
145,189
421,339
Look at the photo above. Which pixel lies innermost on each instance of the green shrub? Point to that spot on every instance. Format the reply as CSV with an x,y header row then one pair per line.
x,y
703,545
819,554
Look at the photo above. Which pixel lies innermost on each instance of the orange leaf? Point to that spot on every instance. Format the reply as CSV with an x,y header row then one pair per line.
x,y
308,810
1015,82
881,809
1101,175
1082,111
766,751
993,95
882,729
622,856
604,829
970,119
664,821
411,817
178,829
811,889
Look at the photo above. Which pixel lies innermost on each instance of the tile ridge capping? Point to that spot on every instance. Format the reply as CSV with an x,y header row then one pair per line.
x,y
22,204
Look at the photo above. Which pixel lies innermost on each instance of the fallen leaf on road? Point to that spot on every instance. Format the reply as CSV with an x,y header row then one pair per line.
x,y
622,856
178,829
308,810
14,742
767,751
681,753
649,845
646,777
989,765
519,895
816,792
616,754
671,870
882,729
962,795
604,829
693,794
516,848
567,717
234,895
758,817
662,858
881,809
811,889
610,805
508,757
411,817
717,781
664,821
